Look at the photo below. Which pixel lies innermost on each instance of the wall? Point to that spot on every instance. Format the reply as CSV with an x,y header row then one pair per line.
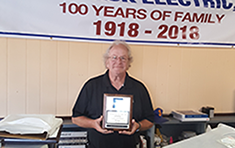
x,y
45,76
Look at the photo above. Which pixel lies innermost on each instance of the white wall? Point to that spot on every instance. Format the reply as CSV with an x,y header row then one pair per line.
x,y
45,76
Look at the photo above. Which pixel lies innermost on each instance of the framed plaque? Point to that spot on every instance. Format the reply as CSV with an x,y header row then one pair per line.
x,y
117,112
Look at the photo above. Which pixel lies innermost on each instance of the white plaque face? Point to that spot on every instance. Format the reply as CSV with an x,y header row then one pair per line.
x,y
117,117
117,111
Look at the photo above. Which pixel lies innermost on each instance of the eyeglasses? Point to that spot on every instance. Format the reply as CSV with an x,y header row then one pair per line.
x,y
115,58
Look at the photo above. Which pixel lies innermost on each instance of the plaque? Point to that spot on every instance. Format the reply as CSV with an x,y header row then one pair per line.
x,y
117,112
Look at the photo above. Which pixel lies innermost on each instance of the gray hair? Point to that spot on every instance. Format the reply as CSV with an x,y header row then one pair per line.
x,y
118,42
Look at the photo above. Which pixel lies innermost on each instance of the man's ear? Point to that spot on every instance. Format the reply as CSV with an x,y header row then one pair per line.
x,y
106,64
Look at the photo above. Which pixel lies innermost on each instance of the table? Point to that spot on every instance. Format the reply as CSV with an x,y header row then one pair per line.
x,y
52,141
228,120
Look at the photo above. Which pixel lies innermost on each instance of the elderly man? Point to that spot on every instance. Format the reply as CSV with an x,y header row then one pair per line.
x,y
88,109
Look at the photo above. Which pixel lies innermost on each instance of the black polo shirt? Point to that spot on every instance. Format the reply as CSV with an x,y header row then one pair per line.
x,y
90,104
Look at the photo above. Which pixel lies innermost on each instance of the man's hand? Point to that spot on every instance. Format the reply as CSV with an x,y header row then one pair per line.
x,y
135,126
97,126
85,122
142,126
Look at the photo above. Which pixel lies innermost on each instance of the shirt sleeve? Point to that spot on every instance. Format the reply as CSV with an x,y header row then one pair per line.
x,y
81,103
147,108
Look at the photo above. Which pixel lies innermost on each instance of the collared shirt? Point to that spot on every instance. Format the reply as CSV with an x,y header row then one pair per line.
x,y
90,104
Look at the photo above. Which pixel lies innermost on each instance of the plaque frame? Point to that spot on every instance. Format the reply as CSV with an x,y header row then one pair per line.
x,y
117,112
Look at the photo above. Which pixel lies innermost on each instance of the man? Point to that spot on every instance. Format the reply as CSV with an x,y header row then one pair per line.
x,y
87,111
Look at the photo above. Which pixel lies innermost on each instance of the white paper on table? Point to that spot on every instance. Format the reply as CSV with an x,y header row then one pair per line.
x,y
30,124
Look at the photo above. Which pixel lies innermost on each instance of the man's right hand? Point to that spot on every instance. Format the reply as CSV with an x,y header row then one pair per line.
x,y
99,128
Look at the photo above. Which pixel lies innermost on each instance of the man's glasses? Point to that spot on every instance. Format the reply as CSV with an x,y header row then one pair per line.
x,y
115,58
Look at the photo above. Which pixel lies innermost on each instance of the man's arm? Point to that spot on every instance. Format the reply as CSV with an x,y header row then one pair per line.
x,y
145,125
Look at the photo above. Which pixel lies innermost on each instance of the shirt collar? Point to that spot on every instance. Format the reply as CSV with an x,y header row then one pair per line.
x,y
107,81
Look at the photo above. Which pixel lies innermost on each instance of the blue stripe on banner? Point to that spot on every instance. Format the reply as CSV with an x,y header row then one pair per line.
x,y
110,40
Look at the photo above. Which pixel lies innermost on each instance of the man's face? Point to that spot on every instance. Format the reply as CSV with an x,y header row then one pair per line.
x,y
118,61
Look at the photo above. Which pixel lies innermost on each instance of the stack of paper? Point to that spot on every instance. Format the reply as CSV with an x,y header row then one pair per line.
x,y
190,115
29,126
